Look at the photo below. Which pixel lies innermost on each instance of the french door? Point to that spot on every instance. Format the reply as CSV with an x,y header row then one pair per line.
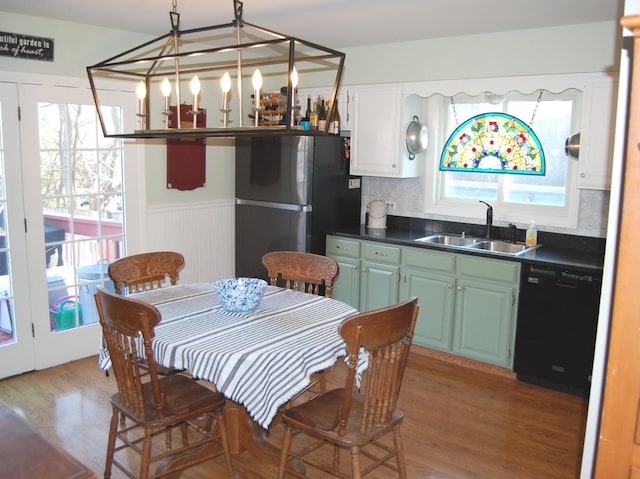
x,y
64,214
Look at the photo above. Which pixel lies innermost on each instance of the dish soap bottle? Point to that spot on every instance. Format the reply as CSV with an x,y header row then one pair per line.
x,y
531,238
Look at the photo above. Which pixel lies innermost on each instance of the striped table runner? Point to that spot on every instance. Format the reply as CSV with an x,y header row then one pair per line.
x,y
261,359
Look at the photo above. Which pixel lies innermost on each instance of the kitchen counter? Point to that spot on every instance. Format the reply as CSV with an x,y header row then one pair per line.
x,y
555,254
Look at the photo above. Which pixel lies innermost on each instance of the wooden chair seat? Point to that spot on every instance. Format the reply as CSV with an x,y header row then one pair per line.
x,y
357,421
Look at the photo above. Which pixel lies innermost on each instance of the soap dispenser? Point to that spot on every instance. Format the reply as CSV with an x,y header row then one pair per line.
x,y
531,238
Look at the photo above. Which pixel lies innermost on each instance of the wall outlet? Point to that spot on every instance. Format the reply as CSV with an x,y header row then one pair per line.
x,y
391,205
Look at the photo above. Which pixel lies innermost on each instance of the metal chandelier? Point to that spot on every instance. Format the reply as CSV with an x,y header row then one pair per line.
x,y
220,81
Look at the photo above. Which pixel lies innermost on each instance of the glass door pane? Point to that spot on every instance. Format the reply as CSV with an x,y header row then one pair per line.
x,y
16,338
82,199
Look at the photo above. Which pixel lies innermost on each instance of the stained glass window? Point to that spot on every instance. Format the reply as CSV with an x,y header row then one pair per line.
x,y
493,142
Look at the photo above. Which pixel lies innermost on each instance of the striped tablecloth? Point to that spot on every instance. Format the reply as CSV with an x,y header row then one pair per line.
x,y
261,359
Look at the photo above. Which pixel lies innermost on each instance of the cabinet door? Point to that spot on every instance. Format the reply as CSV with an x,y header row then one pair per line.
x,y
375,132
379,285
435,296
346,252
483,316
596,138
346,286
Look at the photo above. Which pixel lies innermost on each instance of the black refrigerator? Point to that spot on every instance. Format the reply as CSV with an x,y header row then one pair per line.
x,y
291,190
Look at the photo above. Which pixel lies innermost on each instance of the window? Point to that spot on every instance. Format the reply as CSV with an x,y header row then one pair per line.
x,y
516,198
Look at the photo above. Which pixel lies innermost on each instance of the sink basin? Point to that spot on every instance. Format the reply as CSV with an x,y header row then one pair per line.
x,y
478,244
497,246
449,240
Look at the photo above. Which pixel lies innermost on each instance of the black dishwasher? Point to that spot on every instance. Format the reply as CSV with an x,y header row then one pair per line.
x,y
556,327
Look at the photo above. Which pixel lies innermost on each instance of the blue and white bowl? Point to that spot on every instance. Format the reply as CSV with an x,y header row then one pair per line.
x,y
240,295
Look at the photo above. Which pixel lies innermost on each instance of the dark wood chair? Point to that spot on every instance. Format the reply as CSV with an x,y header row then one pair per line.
x,y
308,272
347,419
140,272
160,404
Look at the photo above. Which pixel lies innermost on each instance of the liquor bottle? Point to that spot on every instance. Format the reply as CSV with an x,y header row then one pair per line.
x,y
334,126
307,114
322,116
313,117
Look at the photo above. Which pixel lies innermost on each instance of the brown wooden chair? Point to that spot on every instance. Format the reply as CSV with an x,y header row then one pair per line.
x,y
347,419
141,272
161,404
308,272
144,271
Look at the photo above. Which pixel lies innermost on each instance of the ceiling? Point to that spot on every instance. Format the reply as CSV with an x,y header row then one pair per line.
x,y
333,23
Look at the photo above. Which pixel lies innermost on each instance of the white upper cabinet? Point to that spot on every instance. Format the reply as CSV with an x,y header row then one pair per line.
x,y
597,132
376,146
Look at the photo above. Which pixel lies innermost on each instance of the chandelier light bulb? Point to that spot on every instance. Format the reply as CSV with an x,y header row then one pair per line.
x,y
165,87
195,89
195,85
294,77
256,80
141,91
225,82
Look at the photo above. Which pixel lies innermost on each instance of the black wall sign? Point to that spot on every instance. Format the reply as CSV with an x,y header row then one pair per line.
x,y
26,46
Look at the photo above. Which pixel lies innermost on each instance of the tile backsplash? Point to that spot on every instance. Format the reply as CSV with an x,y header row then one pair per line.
x,y
408,195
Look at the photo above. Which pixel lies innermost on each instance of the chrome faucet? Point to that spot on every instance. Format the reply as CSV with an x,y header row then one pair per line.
x,y
487,227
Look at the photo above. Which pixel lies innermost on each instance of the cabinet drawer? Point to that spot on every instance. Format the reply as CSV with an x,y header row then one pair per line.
x,y
381,253
342,247
489,269
431,260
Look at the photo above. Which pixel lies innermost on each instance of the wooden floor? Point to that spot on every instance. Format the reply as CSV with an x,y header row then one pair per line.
x,y
460,423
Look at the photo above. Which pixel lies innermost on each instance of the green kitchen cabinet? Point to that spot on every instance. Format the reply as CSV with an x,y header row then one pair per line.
x,y
429,275
486,307
379,275
468,303
374,283
346,286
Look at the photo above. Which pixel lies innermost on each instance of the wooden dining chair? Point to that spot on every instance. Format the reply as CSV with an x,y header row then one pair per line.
x,y
346,418
140,272
306,272
161,404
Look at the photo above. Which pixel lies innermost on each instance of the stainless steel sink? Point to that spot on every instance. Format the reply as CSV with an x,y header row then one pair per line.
x,y
449,240
478,244
497,246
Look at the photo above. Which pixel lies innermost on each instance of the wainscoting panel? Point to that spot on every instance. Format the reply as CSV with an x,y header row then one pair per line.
x,y
203,232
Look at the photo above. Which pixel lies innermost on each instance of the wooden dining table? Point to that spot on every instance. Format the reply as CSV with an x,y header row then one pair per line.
x,y
258,361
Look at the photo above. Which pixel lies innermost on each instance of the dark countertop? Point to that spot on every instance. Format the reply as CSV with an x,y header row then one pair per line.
x,y
551,255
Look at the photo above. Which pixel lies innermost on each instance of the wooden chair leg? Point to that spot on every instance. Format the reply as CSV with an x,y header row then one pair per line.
x,y
111,444
145,459
397,442
284,453
222,429
355,463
